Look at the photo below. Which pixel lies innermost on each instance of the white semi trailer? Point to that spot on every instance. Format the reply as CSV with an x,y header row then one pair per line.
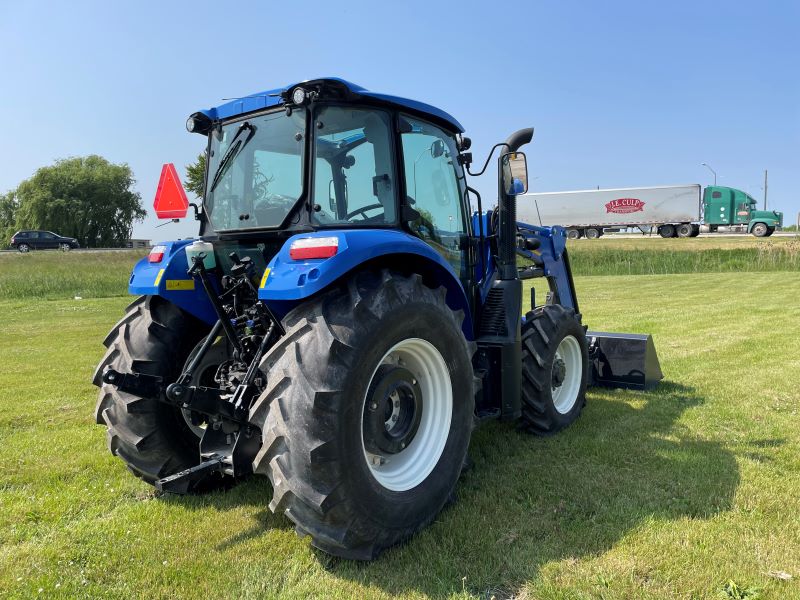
x,y
672,210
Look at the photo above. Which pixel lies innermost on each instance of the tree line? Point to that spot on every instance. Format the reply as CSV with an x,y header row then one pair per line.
x,y
88,198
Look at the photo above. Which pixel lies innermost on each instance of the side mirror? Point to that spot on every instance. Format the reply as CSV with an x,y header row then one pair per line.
x,y
514,173
437,148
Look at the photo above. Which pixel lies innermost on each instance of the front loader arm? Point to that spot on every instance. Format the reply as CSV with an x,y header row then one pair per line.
x,y
546,247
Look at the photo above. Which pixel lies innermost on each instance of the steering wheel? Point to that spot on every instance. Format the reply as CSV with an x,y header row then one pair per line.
x,y
362,210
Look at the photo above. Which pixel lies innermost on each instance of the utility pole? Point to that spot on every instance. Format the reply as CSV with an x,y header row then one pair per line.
x,y
710,169
765,189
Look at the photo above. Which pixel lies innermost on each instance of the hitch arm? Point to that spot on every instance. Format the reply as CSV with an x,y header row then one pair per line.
x,y
136,384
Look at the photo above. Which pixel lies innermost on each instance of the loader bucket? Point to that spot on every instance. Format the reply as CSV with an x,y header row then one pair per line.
x,y
623,360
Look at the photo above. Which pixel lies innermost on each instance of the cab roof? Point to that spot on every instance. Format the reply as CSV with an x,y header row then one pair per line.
x,y
275,97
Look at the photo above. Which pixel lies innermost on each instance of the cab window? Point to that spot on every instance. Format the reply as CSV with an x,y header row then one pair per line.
x,y
354,179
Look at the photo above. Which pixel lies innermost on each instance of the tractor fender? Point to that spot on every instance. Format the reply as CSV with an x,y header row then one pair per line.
x,y
169,279
288,282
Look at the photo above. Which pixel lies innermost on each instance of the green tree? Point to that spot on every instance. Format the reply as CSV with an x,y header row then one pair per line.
x,y
87,198
196,176
8,216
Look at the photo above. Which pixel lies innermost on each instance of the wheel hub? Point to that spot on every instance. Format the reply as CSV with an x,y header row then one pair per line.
x,y
393,410
559,372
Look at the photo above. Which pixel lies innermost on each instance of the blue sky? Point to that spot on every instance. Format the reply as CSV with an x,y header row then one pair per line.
x,y
620,93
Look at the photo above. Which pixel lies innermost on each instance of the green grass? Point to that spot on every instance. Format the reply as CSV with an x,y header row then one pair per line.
x,y
53,274
690,491
654,256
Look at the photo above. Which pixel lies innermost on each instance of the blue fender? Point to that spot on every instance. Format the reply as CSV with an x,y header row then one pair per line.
x,y
169,280
288,282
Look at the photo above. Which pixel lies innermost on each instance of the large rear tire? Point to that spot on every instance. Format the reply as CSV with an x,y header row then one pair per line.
x,y
368,413
555,369
151,437
684,230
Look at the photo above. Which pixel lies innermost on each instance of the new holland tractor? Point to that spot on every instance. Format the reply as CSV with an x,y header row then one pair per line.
x,y
344,319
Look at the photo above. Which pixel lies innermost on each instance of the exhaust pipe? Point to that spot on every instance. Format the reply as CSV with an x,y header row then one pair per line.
x,y
507,251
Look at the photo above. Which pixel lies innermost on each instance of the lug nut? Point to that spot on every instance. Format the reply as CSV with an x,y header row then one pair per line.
x,y
402,444
374,405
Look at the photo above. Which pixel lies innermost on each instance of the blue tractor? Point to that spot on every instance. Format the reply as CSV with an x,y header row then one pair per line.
x,y
344,319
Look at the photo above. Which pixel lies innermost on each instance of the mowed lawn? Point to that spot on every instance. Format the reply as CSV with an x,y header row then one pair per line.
x,y
690,491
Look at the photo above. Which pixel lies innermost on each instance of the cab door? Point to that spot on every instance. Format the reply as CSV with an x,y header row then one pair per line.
x,y
435,189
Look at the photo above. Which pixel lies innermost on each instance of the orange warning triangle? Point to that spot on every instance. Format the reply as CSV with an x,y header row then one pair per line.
x,y
171,201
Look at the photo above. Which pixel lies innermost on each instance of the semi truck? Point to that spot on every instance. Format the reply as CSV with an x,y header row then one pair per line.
x,y
671,211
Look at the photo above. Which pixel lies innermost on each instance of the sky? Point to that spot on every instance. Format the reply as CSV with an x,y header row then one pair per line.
x,y
621,94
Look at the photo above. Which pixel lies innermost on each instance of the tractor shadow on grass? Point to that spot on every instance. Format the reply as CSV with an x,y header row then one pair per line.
x,y
529,501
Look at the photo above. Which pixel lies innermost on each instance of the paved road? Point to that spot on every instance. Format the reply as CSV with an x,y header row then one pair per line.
x,y
90,250
617,236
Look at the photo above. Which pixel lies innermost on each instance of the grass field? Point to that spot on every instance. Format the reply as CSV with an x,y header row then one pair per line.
x,y
690,491
53,275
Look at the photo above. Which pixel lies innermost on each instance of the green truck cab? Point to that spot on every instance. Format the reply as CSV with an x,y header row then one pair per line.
x,y
734,209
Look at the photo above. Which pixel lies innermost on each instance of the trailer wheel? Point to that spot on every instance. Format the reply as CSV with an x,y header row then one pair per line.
x,y
684,230
666,231
760,230
555,369
152,438
367,414
592,233
695,230
574,234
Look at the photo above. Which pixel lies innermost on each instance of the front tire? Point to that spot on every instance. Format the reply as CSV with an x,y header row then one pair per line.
x,y
760,230
342,469
555,369
151,437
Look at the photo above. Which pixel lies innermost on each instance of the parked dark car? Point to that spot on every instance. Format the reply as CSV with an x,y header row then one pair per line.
x,y
27,240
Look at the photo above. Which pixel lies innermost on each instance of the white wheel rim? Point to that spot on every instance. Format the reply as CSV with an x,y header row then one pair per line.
x,y
565,395
409,467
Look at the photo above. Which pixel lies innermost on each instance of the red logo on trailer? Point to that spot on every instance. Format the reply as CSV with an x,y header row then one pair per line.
x,y
625,205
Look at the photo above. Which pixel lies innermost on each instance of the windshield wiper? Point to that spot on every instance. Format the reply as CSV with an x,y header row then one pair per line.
x,y
234,149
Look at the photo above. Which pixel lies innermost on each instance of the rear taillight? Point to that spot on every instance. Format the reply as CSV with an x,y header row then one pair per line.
x,y
156,254
315,247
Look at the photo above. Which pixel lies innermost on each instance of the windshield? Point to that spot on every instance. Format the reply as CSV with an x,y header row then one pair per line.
x,y
255,172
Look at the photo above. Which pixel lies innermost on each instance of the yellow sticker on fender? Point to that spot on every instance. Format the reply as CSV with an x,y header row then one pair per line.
x,y
158,277
180,284
264,278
